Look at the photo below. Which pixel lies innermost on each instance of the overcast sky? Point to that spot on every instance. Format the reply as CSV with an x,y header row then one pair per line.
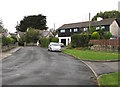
x,y
57,11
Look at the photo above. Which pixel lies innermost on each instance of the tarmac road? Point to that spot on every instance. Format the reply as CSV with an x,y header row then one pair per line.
x,y
37,66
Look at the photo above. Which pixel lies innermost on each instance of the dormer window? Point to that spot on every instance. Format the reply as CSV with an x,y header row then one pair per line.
x,y
62,31
75,30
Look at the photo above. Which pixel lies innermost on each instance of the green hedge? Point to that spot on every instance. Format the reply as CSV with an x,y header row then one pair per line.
x,y
79,40
44,42
7,41
55,39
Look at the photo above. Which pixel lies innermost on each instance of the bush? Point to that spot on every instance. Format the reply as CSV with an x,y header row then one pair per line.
x,y
55,39
15,39
7,41
21,41
44,42
95,35
107,35
79,40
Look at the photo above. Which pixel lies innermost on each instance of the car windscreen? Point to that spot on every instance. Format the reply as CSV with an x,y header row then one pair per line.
x,y
55,44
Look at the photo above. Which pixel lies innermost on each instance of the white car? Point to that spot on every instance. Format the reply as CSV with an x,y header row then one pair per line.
x,y
54,47
61,44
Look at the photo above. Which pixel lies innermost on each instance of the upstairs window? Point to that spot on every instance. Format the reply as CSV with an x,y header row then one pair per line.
x,y
97,28
103,27
85,29
62,31
75,30
70,30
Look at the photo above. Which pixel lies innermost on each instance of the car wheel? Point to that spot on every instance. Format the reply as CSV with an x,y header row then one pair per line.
x,y
51,49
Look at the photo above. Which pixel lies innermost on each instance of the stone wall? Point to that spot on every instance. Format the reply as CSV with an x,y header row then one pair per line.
x,y
8,47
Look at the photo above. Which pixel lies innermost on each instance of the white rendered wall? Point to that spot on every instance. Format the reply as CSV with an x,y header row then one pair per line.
x,y
67,39
115,29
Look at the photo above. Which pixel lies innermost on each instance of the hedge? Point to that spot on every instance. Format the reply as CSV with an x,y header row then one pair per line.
x,y
7,41
79,40
44,42
55,39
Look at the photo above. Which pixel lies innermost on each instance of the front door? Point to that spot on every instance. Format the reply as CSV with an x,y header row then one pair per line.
x,y
63,41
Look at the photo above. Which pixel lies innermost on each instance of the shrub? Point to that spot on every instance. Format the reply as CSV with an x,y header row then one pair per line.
x,y
21,41
7,41
44,42
95,35
55,39
15,39
4,41
79,40
107,35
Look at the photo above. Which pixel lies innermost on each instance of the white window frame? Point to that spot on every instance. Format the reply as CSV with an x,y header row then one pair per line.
x,y
75,30
62,31
97,28
85,29
70,30
103,27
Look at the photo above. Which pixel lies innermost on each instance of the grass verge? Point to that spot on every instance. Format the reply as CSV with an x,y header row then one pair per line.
x,y
91,55
110,80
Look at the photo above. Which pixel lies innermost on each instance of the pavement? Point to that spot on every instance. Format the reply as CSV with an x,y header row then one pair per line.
x,y
9,53
37,66
103,67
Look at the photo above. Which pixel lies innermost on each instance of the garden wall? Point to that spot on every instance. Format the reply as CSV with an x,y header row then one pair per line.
x,y
8,47
105,45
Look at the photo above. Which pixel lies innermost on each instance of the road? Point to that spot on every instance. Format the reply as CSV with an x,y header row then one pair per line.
x,y
37,66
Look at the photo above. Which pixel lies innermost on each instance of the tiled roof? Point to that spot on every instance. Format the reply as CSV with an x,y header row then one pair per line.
x,y
86,24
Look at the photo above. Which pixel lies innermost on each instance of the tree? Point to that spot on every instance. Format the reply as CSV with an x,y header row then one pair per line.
x,y
107,14
33,21
32,35
92,29
1,25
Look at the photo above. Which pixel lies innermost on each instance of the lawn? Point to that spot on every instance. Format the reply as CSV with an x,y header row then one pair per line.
x,y
109,80
91,55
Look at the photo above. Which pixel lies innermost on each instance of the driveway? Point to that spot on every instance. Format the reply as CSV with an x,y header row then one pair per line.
x,y
37,66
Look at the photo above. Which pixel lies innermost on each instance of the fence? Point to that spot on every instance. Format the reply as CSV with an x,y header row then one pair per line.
x,y
105,45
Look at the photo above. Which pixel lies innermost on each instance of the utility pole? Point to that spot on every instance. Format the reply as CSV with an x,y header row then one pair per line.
x,y
54,26
89,21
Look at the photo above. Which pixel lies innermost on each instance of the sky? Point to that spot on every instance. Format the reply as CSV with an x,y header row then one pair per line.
x,y
58,12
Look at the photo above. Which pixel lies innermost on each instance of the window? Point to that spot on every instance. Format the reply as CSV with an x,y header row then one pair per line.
x,y
85,29
97,28
75,30
103,27
70,30
62,31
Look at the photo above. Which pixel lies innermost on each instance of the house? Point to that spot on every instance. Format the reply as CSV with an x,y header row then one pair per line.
x,y
4,32
12,34
19,34
109,25
47,34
